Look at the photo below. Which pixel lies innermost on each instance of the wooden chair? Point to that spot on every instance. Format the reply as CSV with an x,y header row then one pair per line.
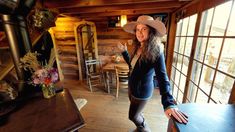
x,y
94,73
121,78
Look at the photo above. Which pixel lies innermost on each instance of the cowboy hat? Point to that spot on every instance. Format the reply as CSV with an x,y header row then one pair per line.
x,y
147,20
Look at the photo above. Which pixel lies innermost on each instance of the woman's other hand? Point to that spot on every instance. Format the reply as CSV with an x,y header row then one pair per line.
x,y
177,114
122,46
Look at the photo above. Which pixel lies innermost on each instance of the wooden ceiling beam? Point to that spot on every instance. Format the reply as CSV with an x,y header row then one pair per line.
x,y
84,3
97,9
123,12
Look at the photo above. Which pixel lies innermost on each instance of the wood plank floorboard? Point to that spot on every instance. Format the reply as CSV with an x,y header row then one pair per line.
x,y
104,113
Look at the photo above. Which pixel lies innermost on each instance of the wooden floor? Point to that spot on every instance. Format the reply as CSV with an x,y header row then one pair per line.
x,y
104,113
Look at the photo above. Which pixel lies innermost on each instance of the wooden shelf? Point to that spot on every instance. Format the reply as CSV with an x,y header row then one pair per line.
x,y
6,70
10,65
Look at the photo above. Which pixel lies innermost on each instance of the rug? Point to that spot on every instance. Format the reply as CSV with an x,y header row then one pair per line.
x,y
80,103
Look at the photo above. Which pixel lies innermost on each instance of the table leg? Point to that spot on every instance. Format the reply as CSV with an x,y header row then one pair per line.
x,y
107,80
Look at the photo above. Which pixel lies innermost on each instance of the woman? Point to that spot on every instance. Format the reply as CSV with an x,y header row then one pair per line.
x,y
146,59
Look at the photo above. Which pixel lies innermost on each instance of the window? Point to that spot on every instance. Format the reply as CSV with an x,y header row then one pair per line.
x,y
213,64
182,51
212,75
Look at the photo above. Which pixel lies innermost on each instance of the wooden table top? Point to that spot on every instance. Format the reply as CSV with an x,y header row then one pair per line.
x,y
111,66
58,113
208,118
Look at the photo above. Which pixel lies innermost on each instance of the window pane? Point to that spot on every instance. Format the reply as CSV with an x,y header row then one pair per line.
x,y
231,29
185,65
188,46
175,91
196,72
206,79
180,97
172,85
220,19
177,76
173,73
192,23
174,59
182,44
182,82
201,97
177,42
179,28
185,26
212,52
179,62
222,88
205,22
227,60
192,92
200,48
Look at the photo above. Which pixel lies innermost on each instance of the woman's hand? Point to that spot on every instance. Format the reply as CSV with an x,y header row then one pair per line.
x,y
178,115
122,47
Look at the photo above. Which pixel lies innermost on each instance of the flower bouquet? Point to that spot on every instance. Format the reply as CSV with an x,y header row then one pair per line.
x,y
43,75
116,58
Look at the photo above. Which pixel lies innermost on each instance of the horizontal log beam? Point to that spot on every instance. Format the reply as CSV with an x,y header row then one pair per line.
x,y
84,3
118,13
98,9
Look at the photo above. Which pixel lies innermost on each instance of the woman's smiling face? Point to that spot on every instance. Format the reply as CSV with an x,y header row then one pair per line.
x,y
142,32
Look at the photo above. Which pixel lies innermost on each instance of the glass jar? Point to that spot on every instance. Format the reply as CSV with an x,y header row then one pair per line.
x,y
48,91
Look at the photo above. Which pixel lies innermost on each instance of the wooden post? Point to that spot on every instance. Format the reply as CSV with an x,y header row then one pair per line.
x,y
170,44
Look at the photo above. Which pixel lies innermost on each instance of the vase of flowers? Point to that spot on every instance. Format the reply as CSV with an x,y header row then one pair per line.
x,y
48,91
44,76
116,58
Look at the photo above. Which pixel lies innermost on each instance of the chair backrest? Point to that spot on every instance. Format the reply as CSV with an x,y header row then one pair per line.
x,y
93,66
122,76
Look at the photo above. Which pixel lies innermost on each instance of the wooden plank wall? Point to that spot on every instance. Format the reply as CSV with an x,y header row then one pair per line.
x,y
65,45
108,38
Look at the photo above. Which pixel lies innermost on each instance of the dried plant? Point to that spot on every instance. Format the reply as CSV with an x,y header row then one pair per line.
x,y
52,59
41,74
30,62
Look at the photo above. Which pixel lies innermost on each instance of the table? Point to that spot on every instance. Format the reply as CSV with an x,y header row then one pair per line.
x,y
38,114
110,68
205,118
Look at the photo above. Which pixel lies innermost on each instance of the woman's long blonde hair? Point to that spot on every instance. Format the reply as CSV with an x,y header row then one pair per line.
x,y
152,49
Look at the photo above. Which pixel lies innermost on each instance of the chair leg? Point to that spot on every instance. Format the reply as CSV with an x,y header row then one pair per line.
x,y
103,81
118,85
89,81
100,80
117,92
107,81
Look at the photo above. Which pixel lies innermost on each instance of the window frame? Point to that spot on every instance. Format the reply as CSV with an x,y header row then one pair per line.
x,y
201,6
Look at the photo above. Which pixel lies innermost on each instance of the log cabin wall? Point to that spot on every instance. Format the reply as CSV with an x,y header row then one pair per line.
x,y
64,43
102,12
108,38
65,47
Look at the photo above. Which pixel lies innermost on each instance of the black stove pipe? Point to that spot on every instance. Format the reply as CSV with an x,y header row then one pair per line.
x,y
14,23
18,7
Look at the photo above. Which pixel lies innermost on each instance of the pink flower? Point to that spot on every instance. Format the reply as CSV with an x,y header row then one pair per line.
x,y
45,76
36,81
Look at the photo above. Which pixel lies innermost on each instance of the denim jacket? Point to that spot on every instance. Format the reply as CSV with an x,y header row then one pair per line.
x,y
141,79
